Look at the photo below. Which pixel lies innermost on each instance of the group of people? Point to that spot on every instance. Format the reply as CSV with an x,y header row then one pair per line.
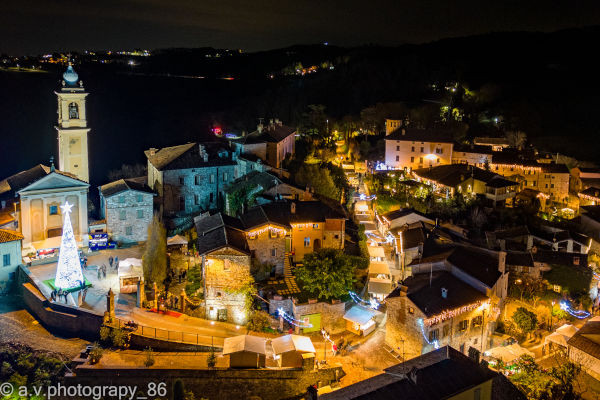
x,y
58,294
112,262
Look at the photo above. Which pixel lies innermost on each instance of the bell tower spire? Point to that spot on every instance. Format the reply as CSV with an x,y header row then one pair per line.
x,y
72,126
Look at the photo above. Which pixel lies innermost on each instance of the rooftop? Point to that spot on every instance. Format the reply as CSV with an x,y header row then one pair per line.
x,y
190,155
253,344
121,185
214,233
280,213
587,339
440,374
274,132
479,263
9,236
421,135
455,174
425,291
287,343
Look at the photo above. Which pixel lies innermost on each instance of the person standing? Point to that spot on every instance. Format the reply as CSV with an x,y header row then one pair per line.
x,y
110,261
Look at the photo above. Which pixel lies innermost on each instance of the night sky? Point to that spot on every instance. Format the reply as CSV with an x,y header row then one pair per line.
x,y
38,26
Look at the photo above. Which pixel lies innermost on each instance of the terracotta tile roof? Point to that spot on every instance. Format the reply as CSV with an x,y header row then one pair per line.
x,y
9,236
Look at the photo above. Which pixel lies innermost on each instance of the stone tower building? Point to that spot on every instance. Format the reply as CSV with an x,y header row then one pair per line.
x,y
72,126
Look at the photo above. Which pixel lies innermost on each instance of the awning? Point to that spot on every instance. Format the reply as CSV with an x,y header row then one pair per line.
x,y
130,267
177,240
379,267
562,335
508,354
359,315
380,286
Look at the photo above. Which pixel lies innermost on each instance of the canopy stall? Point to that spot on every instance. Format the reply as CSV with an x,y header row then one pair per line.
x,y
130,272
561,336
177,241
508,354
360,320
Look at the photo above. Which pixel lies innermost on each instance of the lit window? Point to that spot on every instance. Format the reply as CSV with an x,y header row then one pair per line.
x,y
411,310
306,242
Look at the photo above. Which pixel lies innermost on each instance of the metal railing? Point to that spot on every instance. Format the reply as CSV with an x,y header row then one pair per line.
x,y
172,336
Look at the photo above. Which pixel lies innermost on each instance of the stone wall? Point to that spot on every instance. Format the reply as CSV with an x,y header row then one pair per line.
x,y
131,202
217,383
196,190
275,305
403,331
262,247
332,315
8,272
227,271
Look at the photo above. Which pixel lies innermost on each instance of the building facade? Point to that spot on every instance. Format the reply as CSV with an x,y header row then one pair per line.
x,y
409,148
272,143
191,178
72,126
127,205
39,213
10,257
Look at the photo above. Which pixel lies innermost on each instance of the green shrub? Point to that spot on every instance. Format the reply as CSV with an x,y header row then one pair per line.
x,y
148,357
259,321
105,334
119,337
96,353
211,361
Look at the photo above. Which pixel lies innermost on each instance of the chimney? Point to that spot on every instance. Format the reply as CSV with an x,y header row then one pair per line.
x,y
152,151
260,127
293,207
403,131
444,293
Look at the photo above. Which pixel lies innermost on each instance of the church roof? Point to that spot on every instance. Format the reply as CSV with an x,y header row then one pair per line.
x,y
15,183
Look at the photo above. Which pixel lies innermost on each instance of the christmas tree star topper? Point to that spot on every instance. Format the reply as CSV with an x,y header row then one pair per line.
x,y
66,208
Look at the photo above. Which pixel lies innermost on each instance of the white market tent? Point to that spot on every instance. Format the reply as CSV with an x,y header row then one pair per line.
x,y
508,354
130,272
562,335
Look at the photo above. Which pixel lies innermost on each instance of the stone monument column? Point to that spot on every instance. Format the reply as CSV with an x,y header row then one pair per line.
x,y
141,293
110,304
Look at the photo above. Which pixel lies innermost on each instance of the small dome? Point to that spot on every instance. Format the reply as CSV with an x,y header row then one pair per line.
x,y
70,76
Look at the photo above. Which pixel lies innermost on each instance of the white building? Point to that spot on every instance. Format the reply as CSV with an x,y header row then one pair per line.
x,y
10,257
39,216
417,148
127,206
72,126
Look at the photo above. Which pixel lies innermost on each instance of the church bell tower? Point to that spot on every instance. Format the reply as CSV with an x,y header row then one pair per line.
x,y
72,126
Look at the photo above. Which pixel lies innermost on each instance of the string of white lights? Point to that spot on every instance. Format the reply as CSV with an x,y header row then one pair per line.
x,y
292,320
435,343
373,303
580,314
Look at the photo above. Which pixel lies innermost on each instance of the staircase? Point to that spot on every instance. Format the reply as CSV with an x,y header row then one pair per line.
x,y
287,265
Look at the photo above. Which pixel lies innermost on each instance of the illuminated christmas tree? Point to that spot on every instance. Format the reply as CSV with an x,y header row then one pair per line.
x,y
68,272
